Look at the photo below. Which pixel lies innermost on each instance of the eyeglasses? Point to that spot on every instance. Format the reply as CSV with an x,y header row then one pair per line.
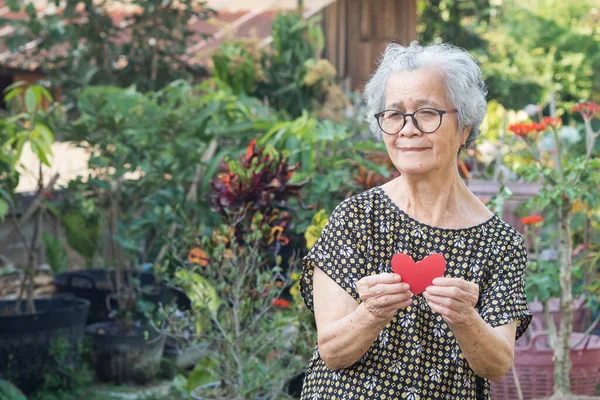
x,y
427,120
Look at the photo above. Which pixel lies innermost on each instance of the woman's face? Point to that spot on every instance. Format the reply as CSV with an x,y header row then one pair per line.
x,y
412,151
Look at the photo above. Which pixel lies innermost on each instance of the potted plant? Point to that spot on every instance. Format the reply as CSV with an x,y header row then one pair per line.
x,y
125,346
28,325
149,156
567,176
251,340
241,284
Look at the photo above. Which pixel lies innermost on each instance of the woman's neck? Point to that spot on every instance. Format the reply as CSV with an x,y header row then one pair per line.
x,y
437,200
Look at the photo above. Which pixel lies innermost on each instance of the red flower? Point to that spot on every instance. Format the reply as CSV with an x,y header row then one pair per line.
x,y
588,110
532,220
552,121
527,131
281,303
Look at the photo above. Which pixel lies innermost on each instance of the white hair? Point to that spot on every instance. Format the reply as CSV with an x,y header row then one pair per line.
x,y
462,77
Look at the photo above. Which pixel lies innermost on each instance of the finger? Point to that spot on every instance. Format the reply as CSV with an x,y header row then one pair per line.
x,y
385,277
449,282
384,289
455,316
447,302
447,291
398,306
388,300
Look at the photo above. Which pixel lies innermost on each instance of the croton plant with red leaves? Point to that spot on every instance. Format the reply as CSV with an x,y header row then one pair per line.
x,y
252,192
366,178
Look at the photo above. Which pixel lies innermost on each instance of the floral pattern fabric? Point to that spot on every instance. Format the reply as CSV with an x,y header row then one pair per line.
x,y
416,356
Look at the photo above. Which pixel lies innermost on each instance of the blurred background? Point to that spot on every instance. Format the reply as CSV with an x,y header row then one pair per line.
x,y
165,165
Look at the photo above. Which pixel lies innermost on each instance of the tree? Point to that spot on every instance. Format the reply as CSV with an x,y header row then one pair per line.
x,y
85,45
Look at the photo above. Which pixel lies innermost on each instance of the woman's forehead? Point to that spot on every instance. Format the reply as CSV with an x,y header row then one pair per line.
x,y
415,88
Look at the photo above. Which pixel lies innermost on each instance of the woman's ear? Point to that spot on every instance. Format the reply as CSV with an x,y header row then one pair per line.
x,y
465,134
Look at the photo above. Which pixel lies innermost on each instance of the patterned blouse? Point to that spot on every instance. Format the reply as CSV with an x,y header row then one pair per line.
x,y
416,356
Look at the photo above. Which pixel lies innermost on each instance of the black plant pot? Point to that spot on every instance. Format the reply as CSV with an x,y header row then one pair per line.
x,y
25,339
94,285
120,358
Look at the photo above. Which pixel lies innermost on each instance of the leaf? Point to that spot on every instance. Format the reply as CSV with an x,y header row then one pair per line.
x,y
55,253
45,133
38,148
202,374
30,10
21,139
45,93
37,93
83,234
10,95
202,293
15,85
30,103
3,209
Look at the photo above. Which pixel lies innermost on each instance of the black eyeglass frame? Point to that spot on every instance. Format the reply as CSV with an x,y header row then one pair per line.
x,y
414,120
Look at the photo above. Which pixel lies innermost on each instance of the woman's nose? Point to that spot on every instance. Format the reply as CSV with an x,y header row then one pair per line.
x,y
409,129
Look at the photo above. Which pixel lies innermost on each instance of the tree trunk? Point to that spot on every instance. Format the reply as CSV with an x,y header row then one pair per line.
x,y
562,362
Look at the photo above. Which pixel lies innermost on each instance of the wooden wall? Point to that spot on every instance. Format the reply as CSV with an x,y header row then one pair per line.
x,y
357,32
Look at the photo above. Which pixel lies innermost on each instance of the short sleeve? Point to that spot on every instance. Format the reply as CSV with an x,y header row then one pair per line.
x,y
503,298
337,252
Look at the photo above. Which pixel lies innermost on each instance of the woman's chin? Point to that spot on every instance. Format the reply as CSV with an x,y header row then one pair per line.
x,y
407,168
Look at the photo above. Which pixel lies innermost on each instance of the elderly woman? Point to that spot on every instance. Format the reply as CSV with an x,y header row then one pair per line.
x,y
376,339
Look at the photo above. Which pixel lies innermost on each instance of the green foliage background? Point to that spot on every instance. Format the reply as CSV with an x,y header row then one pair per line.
x,y
526,49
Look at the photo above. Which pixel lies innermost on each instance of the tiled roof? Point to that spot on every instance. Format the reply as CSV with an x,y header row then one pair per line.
x,y
235,18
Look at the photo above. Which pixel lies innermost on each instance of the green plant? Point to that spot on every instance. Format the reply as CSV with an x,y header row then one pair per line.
x,y
251,343
566,176
10,392
152,155
55,253
81,222
25,126
295,79
67,374
90,49
251,194
238,65
526,50
236,281
338,162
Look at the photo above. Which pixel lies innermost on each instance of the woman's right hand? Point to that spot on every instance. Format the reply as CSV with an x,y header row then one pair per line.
x,y
384,294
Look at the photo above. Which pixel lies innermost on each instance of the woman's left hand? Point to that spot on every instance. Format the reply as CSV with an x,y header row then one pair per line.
x,y
455,299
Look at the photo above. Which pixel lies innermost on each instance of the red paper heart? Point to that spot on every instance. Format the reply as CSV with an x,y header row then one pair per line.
x,y
419,275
